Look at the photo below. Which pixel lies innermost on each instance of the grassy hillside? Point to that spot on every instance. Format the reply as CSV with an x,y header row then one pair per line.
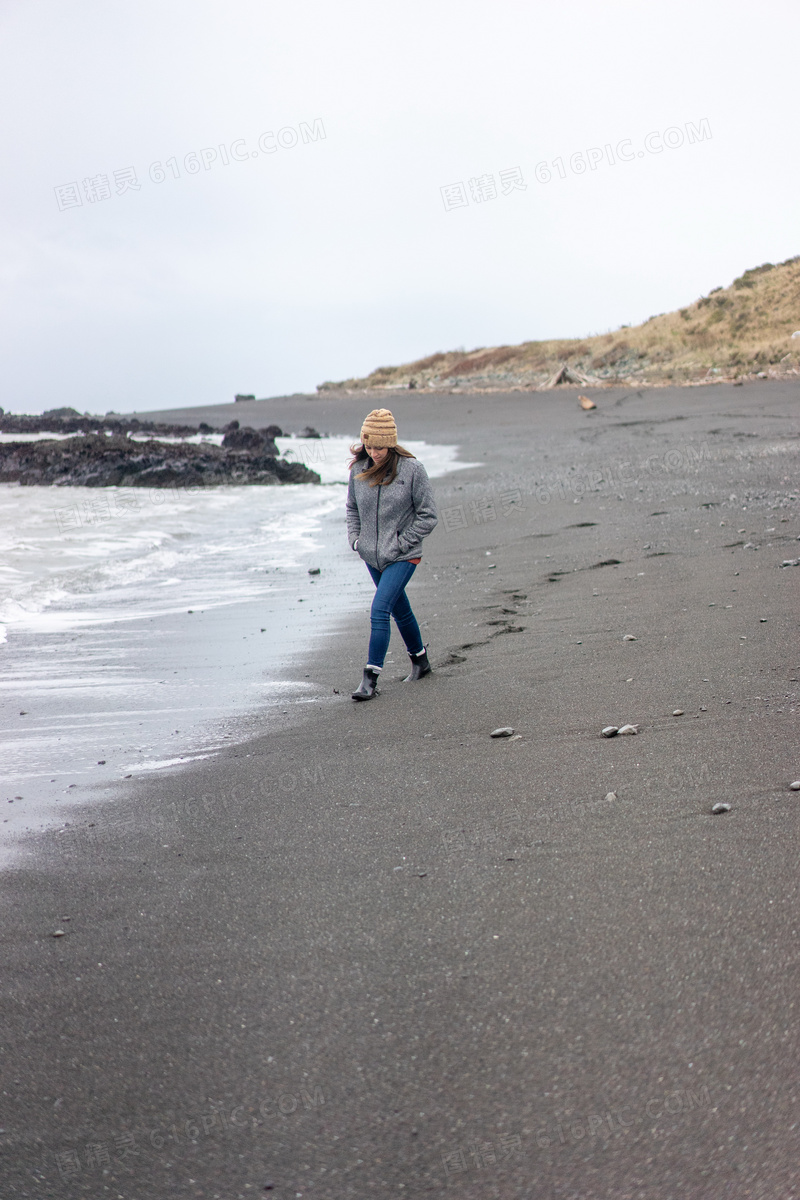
x,y
735,332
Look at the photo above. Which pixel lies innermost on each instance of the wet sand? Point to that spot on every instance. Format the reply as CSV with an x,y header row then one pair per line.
x,y
370,949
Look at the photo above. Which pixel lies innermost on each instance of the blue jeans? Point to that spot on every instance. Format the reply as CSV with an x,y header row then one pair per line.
x,y
391,601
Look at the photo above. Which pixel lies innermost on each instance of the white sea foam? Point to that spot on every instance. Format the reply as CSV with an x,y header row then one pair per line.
x,y
154,765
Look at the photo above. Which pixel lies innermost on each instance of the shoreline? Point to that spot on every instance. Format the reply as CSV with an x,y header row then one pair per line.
x,y
460,941
135,636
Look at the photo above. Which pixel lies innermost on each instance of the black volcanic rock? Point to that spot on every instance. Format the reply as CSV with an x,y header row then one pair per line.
x,y
100,461
249,439
272,431
309,432
52,423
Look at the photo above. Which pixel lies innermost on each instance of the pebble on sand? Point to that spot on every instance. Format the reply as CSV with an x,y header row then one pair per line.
x,y
314,570
628,729
610,731
610,796
795,787
721,808
629,637
677,712
503,731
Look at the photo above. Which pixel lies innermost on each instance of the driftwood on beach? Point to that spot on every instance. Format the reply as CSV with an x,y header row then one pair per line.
x,y
566,374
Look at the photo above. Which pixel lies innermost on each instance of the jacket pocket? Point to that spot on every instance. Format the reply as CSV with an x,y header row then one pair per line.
x,y
401,545
406,541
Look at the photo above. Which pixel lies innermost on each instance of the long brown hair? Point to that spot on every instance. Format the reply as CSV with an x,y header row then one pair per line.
x,y
387,470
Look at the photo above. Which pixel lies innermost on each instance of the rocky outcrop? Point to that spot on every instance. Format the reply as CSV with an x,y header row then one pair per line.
x,y
65,420
97,460
250,439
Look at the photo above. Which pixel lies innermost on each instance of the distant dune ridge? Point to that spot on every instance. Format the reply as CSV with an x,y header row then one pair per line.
x,y
739,332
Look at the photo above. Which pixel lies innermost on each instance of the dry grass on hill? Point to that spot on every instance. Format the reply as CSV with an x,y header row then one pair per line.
x,y
735,332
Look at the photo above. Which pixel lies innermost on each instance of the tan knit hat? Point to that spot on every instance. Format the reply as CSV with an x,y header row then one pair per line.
x,y
379,429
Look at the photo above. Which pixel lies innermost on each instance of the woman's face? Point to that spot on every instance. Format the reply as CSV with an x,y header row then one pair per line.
x,y
375,454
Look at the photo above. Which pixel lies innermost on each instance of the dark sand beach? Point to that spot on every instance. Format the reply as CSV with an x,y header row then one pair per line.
x,y
372,950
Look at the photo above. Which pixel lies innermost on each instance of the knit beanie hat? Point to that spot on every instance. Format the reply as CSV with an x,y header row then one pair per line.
x,y
379,429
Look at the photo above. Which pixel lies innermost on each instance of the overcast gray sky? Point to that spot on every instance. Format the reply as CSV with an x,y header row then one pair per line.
x,y
324,246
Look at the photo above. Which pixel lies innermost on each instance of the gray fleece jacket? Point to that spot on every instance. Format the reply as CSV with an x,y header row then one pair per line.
x,y
389,521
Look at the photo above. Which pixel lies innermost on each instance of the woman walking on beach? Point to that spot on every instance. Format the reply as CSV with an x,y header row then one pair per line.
x,y
390,509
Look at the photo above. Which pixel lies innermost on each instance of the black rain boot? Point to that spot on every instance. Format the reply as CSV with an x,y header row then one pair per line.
x,y
419,666
369,685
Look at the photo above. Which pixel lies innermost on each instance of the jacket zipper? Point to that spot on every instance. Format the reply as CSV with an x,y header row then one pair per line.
x,y
377,527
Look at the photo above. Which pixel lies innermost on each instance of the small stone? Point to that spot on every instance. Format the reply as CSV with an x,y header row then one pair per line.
x,y
58,933
763,620
101,762
628,729
503,731
677,712
787,562
610,796
721,808
314,570
629,637
610,731
491,566
795,786
703,708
